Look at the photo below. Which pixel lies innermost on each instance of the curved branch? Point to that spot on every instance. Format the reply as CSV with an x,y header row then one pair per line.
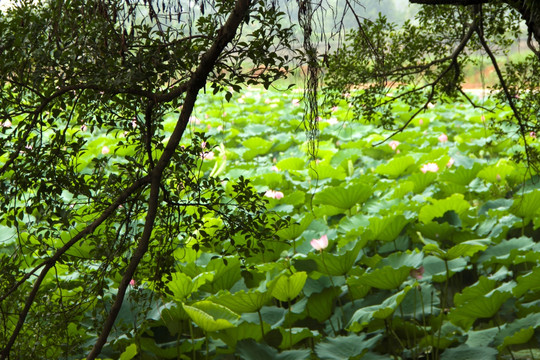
x,y
225,35
49,263
453,57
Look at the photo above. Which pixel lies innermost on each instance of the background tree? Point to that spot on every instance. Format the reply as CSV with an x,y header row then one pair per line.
x,y
426,60
77,71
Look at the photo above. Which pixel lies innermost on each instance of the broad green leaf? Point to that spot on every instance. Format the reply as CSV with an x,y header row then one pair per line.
x,y
225,276
291,164
182,285
320,305
244,330
438,208
210,316
287,287
526,205
386,278
505,251
243,302
518,332
298,334
344,197
364,316
395,167
521,336
324,171
295,230
467,248
337,264
435,268
129,353
345,347
497,172
387,228
257,146
464,352
250,350
530,281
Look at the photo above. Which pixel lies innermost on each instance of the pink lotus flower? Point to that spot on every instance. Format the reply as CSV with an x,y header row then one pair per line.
x,y
450,163
275,168
273,194
320,244
84,127
6,124
105,150
393,144
430,167
417,273
295,102
532,134
443,138
207,155
332,121
132,282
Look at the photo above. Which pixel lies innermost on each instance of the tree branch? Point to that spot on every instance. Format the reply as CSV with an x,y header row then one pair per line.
x,y
49,263
225,35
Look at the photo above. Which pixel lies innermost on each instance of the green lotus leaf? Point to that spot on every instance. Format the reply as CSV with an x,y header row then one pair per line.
x,y
291,164
225,276
398,259
526,205
295,335
129,353
387,228
505,251
244,330
530,281
345,347
467,248
337,264
244,302
250,350
421,181
485,306
386,278
435,268
320,305
257,146
464,352
522,336
519,331
357,289
182,285
395,167
287,287
344,197
210,316
438,208
172,315
325,171
479,289
497,172
295,230
364,316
